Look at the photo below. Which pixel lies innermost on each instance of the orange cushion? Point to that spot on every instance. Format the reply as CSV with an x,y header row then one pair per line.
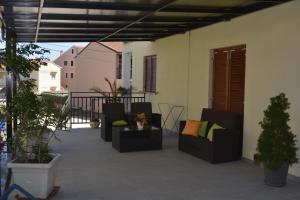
x,y
191,128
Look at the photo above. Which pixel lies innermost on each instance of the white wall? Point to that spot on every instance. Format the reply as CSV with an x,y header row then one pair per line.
x,y
272,66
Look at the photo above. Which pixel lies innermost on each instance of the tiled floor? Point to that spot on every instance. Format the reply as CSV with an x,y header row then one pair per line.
x,y
90,169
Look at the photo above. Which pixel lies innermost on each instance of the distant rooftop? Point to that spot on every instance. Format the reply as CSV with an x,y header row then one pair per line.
x,y
117,46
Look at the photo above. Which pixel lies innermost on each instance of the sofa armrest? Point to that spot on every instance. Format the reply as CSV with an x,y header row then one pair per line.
x,y
226,144
156,119
105,121
181,126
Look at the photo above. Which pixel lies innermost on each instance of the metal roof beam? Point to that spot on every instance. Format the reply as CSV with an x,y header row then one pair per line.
x,y
68,31
163,4
87,17
85,40
112,26
87,36
39,20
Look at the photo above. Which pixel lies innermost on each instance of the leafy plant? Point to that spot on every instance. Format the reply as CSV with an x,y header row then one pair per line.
x,y
28,58
115,91
277,144
58,99
38,121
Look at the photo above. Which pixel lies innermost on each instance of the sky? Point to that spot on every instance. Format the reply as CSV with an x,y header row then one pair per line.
x,y
54,48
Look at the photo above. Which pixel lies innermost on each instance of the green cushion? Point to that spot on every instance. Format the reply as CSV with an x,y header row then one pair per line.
x,y
120,123
211,130
202,129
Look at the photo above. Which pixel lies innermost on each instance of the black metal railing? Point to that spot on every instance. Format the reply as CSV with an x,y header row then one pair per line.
x,y
86,106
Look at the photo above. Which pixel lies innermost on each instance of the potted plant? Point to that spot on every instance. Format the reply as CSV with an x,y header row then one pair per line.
x,y
276,145
34,165
141,120
115,91
94,123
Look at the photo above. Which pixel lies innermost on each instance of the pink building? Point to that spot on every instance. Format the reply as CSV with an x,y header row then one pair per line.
x,y
94,63
68,65
90,65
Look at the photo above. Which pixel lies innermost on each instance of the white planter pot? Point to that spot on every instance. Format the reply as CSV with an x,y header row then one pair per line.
x,y
38,179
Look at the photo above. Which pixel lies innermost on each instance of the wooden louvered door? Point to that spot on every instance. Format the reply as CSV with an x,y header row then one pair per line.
x,y
220,85
237,80
229,79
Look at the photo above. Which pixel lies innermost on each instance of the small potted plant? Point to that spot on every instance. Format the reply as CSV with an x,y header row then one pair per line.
x,y
276,144
141,120
94,123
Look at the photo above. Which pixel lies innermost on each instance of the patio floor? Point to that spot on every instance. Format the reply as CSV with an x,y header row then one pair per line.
x,y
90,169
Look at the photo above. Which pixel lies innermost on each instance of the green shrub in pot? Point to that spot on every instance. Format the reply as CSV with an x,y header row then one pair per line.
x,y
276,144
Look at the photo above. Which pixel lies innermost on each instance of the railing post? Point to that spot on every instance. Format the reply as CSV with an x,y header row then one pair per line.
x,y
71,110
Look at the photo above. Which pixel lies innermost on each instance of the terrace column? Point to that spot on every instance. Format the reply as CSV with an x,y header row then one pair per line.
x,y
10,83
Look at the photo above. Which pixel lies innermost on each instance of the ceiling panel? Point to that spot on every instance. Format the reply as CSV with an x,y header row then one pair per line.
x,y
118,20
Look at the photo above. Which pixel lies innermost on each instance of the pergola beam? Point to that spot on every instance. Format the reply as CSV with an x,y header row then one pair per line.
x,y
51,36
113,18
57,25
87,40
163,4
39,20
95,32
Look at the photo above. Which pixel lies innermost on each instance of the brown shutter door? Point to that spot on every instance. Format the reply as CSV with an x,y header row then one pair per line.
x,y
220,80
237,80
153,74
145,74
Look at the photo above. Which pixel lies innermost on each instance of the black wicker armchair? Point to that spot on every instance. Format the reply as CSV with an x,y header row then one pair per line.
x,y
111,112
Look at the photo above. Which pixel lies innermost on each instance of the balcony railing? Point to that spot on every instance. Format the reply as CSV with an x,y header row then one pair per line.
x,y
86,106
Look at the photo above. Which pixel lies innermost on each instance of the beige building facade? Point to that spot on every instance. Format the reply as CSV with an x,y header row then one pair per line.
x,y
86,67
47,78
184,67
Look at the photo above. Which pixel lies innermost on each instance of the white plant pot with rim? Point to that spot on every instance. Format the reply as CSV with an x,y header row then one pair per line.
x,y
36,178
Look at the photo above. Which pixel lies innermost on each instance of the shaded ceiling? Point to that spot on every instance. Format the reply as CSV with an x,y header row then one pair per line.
x,y
117,20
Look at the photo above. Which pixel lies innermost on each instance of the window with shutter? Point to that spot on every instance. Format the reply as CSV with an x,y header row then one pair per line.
x,y
150,73
119,66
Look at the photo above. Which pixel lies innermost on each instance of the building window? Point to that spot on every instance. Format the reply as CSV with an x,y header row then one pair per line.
x,y
72,63
71,75
119,66
72,51
53,75
150,73
66,75
65,63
